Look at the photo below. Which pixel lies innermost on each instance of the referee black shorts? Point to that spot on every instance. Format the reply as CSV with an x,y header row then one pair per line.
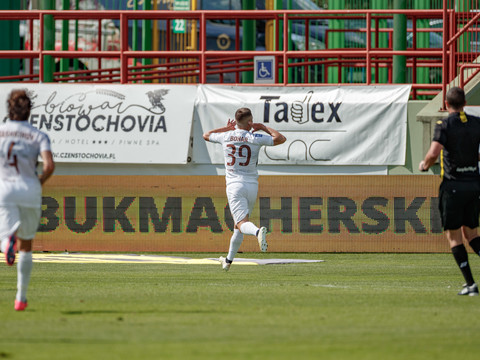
x,y
459,205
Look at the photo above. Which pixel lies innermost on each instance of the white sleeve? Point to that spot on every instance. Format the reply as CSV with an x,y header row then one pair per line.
x,y
215,137
261,139
45,143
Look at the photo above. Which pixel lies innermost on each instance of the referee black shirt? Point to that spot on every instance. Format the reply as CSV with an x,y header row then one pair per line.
x,y
459,134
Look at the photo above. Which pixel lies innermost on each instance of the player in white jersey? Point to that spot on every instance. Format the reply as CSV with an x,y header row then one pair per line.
x,y
241,146
21,187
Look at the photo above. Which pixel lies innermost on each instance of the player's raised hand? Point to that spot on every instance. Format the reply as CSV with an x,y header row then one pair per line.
x,y
257,127
231,124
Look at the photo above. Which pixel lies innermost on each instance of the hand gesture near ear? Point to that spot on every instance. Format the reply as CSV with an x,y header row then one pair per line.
x,y
258,127
277,137
231,124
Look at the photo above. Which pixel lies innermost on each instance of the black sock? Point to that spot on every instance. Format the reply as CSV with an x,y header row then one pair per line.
x,y
228,261
475,245
461,257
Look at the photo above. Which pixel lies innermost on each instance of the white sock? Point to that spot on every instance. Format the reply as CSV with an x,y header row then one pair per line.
x,y
4,245
235,243
249,228
24,269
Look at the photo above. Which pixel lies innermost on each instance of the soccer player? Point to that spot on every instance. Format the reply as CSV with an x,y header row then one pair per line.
x,y
457,140
241,148
21,187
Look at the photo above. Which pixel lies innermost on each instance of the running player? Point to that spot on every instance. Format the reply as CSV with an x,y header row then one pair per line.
x,y
457,139
21,187
241,148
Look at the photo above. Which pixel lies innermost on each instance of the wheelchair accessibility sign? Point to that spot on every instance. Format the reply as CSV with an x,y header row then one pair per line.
x,y
264,67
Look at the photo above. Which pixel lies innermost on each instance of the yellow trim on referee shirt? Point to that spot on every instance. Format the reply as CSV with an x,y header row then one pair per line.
x,y
442,170
463,117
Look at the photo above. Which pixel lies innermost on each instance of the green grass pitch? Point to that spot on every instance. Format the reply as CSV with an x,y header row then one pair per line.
x,y
352,306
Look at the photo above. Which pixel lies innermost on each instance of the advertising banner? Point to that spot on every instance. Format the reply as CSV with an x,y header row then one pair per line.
x,y
329,125
137,124
302,214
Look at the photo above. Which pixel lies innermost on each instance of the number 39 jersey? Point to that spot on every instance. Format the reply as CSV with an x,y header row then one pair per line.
x,y
241,149
20,146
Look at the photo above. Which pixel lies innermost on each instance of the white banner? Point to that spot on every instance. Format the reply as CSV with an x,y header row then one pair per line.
x,y
471,110
112,123
347,125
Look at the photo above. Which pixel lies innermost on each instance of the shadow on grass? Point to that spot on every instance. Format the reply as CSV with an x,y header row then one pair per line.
x,y
86,312
170,311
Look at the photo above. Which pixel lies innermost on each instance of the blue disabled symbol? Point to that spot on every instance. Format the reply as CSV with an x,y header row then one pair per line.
x,y
264,70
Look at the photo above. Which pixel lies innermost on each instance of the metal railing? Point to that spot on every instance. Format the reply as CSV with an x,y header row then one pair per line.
x,y
317,61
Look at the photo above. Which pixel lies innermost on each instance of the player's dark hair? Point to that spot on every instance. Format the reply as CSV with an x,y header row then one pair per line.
x,y
243,115
19,105
456,98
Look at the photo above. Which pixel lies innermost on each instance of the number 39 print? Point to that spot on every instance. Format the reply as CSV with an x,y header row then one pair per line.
x,y
244,153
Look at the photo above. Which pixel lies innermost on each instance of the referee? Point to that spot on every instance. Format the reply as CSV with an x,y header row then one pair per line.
x,y
456,140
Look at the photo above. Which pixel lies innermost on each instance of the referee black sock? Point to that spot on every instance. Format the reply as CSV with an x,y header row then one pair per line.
x,y
461,257
475,245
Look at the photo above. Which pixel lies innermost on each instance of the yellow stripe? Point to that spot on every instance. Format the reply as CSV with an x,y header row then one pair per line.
x,y
463,117
442,170
124,259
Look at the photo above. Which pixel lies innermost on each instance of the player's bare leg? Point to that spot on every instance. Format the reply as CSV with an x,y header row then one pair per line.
x,y
471,236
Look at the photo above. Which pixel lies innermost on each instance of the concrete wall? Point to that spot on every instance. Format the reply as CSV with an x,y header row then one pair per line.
x,y
415,152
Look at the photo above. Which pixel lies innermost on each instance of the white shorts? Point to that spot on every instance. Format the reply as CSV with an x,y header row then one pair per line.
x,y
20,219
241,199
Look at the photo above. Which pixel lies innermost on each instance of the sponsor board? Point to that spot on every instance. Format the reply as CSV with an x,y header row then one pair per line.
x,y
185,213
152,124
330,125
112,123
